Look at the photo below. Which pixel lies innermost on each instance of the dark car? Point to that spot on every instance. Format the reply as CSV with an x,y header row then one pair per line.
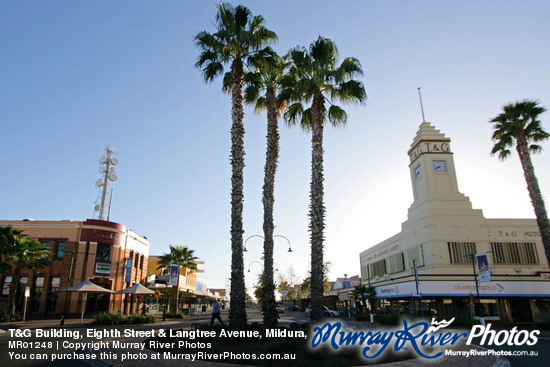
x,y
295,308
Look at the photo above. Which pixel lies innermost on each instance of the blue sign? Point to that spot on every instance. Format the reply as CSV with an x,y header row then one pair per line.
x,y
129,270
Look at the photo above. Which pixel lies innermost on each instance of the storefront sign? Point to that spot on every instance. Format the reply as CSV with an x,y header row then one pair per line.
x,y
464,288
101,236
103,268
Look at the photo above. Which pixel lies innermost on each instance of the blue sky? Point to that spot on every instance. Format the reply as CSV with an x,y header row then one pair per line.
x,y
77,75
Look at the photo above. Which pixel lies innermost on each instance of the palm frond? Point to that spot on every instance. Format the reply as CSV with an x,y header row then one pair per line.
x,y
337,116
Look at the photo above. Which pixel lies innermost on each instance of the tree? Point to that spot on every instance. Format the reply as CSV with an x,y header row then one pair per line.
x,y
238,35
27,253
8,240
315,77
185,259
519,125
285,286
267,70
363,293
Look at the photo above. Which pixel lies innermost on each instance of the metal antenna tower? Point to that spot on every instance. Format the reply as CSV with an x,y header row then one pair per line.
x,y
107,171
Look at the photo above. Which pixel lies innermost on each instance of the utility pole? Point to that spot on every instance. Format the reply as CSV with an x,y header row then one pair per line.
x,y
67,290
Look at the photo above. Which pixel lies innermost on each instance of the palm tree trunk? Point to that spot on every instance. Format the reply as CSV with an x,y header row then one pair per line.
x,y
237,315
317,209
272,156
13,289
534,192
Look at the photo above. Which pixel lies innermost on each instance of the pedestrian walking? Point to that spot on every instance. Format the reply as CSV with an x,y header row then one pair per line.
x,y
216,313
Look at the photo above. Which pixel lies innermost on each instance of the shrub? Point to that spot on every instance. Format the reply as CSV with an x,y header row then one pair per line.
x,y
140,319
6,316
391,319
174,315
105,318
464,321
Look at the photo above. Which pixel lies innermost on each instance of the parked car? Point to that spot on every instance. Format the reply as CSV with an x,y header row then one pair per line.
x,y
280,309
327,312
295,308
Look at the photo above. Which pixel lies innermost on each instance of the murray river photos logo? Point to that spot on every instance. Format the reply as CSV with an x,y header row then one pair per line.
x,y
421,337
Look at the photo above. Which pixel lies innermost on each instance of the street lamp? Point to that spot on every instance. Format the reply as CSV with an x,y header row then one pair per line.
x,y
257,263
277,235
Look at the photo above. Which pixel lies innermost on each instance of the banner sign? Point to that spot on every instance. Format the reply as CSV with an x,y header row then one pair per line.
x,y
174,274
483,268
129,270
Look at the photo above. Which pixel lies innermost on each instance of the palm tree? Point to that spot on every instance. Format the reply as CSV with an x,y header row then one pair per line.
x,y
8,240
238,35
267,71
185,259
519,125
316,78
28,253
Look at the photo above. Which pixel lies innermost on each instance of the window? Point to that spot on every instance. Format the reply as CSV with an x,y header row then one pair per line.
x,y
46,244
141,262
51,300
102,252
397,263
461,252
136,260
514,253
6,287
415,253
379,268
59,250
36,294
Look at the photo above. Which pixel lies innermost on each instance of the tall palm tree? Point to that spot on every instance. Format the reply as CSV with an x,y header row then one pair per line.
x,y
262,85
185,259
315,77
28,253
238,35
519,125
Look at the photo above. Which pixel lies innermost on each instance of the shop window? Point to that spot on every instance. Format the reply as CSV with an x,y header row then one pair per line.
x,y
6,286
59,250
20,293
36,294
51,300
514,253
379,268
103,252
461,252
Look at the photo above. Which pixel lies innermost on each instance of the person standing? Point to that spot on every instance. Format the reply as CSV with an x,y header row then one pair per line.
x,y
216,313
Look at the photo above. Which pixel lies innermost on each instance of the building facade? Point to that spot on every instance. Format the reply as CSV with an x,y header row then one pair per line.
x,y
106,253
193,294
440,239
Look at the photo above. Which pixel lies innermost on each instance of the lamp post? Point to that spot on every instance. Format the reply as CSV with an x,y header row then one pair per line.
x,y
62,322
277,235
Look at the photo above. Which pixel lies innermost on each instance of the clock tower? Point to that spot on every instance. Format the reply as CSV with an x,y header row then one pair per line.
x,y
433,172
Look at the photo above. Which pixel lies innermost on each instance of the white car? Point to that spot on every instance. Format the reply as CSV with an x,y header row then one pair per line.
x,y
326,311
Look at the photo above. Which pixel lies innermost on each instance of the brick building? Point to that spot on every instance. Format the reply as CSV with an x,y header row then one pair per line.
x,y
106,253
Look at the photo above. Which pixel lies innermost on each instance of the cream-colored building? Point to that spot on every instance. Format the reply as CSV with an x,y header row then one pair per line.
x,y
442,233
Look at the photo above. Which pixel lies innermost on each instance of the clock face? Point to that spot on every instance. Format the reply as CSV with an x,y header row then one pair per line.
x,y
439,166
418,172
